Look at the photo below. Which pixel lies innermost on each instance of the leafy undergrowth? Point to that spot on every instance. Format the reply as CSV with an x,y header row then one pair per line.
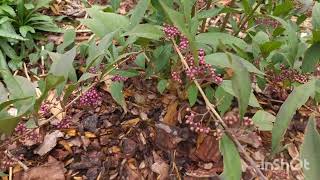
x,y
164,89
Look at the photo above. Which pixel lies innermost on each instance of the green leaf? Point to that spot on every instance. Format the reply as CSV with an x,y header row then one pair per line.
x,y
295,100
50,83
209,91
176,18
161,56
8,10
267,47
102,23
227,86
68,39
25,29
263,120
221,60
140,61
209,13
8,50
117,94
192,94
214,39
63,64
246,6
310,149
284,8
315,16
3,93
231,159
162,85
138,13
224,99
187,9
241,85
115,4
311,58
146,31
2,174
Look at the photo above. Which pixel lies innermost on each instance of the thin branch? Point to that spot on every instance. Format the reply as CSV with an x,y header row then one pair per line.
x,y
204,22
25,167
211,107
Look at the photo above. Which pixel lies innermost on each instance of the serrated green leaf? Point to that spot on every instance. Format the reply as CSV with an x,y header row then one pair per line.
x,y
221,60
311,58
146,31
192,94
162,85
295,100
263,120
310,151
138,13
241,85
231,159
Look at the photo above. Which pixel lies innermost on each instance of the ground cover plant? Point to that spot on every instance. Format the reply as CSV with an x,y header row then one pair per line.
x,y
151,89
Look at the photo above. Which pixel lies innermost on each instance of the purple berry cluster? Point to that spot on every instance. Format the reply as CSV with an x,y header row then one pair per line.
x,y
184,43
171,31
45,109
290,75
90,98
231,119
203,72
268,22
118,78
247,121
20,128
65,123
196,126
176,77
218,134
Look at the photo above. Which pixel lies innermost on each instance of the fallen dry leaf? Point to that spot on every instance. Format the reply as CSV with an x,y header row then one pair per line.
x,y
160,167
208,149
171,116
49,142
52,170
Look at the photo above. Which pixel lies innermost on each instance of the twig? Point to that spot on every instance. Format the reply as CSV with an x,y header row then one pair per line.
x,y
245,20
25,167
226,18
26,71
204,22
211,107
10,173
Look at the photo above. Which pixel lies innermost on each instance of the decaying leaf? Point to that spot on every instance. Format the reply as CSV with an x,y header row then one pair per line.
x,y
171,117
49,142
160,167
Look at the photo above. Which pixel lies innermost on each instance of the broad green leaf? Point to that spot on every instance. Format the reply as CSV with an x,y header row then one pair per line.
x,y
295,100
102,23
310,149
2,174
311,58
192,94
221,60
63,64
161,57
3,93
138,13
7,122
68,92
86,76
176,18
267,47
227,86
263,120
25,29
241,85
116,90
187,9
315,16
140,61
8,9
209,91
3,66
162,85
146,31
246,6
68,39
8,50
231,159
50,83
224,99
284,8
208,13
214,39
115,4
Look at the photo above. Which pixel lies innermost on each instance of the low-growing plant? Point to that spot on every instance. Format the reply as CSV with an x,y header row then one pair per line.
x,y
215,65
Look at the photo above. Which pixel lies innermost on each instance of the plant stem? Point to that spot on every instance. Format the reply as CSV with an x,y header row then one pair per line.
x,y
204,22
226,18
247,18
211,107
